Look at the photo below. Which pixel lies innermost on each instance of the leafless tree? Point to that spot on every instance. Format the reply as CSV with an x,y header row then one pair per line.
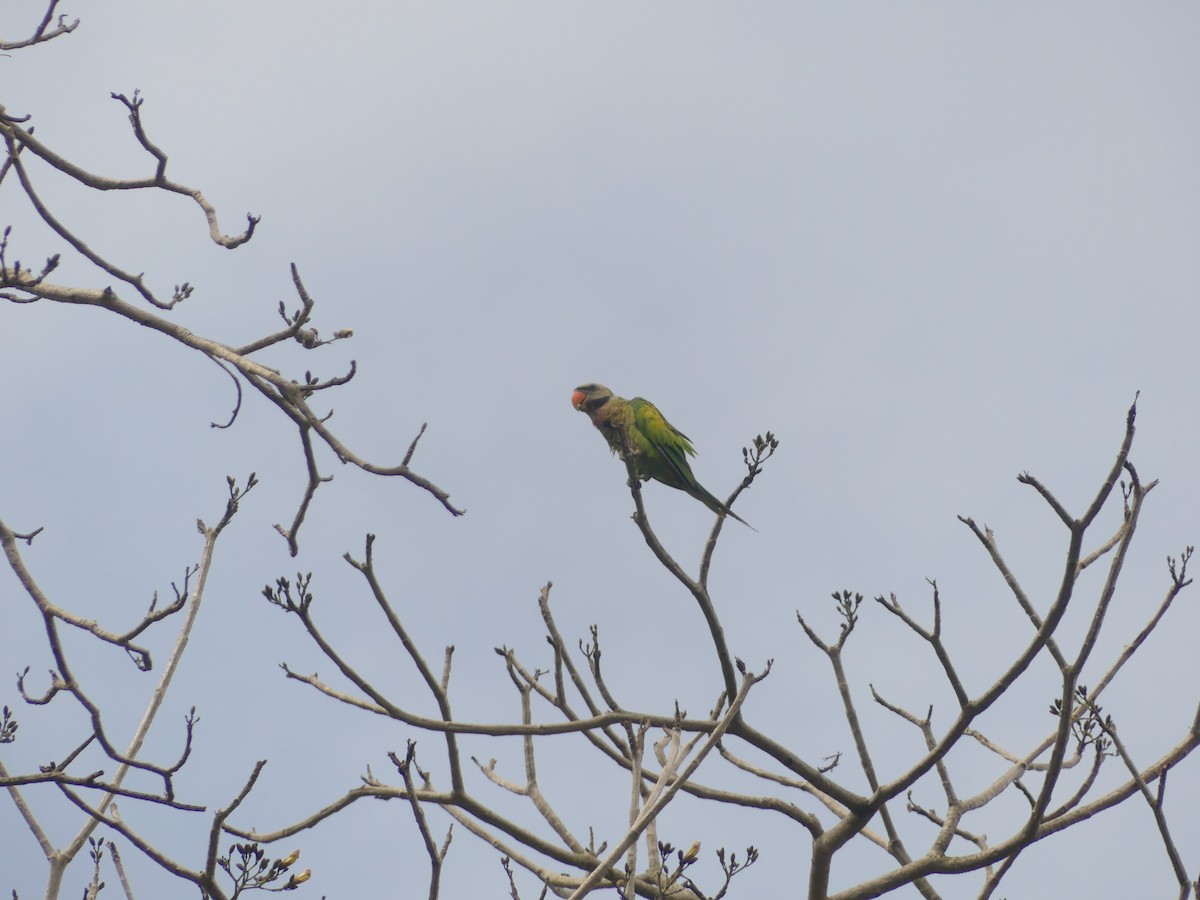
x,y
566,691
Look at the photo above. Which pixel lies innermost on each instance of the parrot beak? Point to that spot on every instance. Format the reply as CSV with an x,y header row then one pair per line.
x,y
577,399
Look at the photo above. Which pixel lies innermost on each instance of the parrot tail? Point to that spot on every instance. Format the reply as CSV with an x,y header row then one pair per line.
x,y
722,510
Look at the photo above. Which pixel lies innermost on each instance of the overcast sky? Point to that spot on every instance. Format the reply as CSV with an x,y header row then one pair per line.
x,y
928,245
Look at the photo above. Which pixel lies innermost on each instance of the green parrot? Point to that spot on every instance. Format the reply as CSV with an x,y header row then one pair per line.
x,y
659,449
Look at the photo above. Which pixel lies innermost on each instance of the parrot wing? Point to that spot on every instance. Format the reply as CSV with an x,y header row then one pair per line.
x,y
663,452
667,446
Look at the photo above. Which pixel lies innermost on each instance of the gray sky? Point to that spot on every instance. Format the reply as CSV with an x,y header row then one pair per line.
x,y
928,245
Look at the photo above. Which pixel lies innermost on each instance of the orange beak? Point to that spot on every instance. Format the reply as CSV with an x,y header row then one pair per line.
x,y
577,399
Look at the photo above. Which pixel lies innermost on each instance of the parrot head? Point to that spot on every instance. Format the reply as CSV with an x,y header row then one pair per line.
x,y
590,397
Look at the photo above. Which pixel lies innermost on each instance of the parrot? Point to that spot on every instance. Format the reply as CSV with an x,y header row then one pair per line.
x,y
659,449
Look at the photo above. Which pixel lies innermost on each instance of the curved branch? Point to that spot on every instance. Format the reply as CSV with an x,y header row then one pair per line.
x,y
43,32
26,140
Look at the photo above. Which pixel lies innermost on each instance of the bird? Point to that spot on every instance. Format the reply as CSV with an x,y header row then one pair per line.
x,y
658,449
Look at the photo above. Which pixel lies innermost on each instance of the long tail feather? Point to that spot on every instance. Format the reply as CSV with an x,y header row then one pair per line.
x,y
722,510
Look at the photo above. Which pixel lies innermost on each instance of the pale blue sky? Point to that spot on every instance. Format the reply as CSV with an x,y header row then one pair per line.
x,y
928,245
